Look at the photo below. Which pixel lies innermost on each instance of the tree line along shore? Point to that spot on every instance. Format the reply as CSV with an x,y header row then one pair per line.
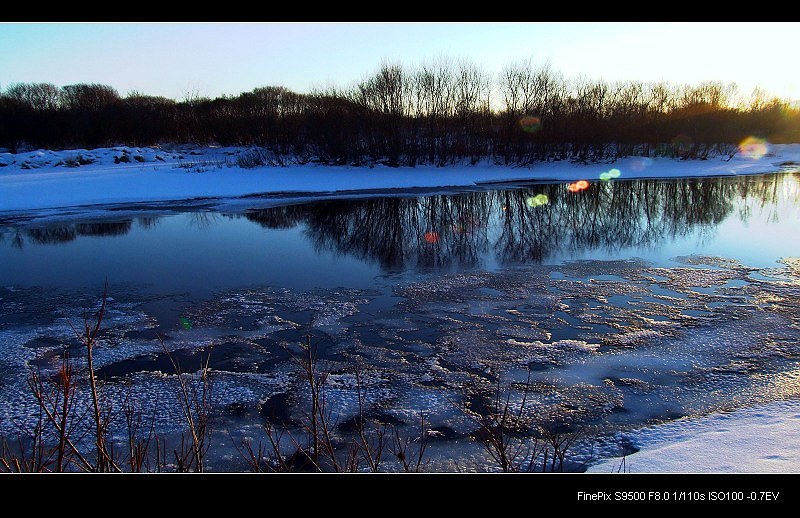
x,y
439,113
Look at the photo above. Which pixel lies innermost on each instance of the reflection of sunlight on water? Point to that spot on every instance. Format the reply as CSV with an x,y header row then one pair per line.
x,y
785,385
753,147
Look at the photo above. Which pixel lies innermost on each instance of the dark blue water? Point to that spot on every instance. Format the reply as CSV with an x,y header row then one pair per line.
x,y
349,242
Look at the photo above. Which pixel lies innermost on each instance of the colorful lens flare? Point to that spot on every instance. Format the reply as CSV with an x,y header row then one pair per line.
x,y
431,237
753,147
640,163
682,141
530,124
465,224
185,322
610,174
578,186
537,201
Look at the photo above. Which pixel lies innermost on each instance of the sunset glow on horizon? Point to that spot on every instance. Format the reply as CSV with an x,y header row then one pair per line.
x,y
213,59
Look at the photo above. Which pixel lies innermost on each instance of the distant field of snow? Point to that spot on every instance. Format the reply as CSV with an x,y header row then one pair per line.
x,y
759,439
72,178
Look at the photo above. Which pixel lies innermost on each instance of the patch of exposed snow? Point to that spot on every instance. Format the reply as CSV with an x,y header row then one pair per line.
x,y
759,439
45,179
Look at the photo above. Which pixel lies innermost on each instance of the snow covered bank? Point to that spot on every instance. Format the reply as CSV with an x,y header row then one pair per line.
x,y
55,179
760,439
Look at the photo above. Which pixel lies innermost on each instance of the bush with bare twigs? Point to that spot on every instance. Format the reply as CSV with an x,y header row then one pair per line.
x,y
513,436
63,426
323,449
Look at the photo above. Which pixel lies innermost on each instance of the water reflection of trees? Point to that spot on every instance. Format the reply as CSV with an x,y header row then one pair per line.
x,y
638,213
395,232
277,218
615,215
64,233
462,229
610,216
54,234
445,230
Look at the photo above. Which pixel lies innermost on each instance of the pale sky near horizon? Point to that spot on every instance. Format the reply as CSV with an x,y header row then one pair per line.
x,y
211,59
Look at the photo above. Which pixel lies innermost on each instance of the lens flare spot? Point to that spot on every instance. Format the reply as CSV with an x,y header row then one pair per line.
x,y
186,323
753,147
465,223
431,237
530,124
578,186
610,174
682,141
639,164
537,201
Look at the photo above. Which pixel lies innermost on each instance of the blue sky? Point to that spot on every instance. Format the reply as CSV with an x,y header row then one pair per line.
x,y
173,59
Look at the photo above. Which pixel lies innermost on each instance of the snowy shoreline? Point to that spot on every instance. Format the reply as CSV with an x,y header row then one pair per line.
x,y
82,178
760,439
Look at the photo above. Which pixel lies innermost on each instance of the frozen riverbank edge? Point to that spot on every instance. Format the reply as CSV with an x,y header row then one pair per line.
x,y
759,439
42,180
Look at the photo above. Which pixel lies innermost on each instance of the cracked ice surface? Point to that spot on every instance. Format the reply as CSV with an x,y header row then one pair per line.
x,y
607,344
